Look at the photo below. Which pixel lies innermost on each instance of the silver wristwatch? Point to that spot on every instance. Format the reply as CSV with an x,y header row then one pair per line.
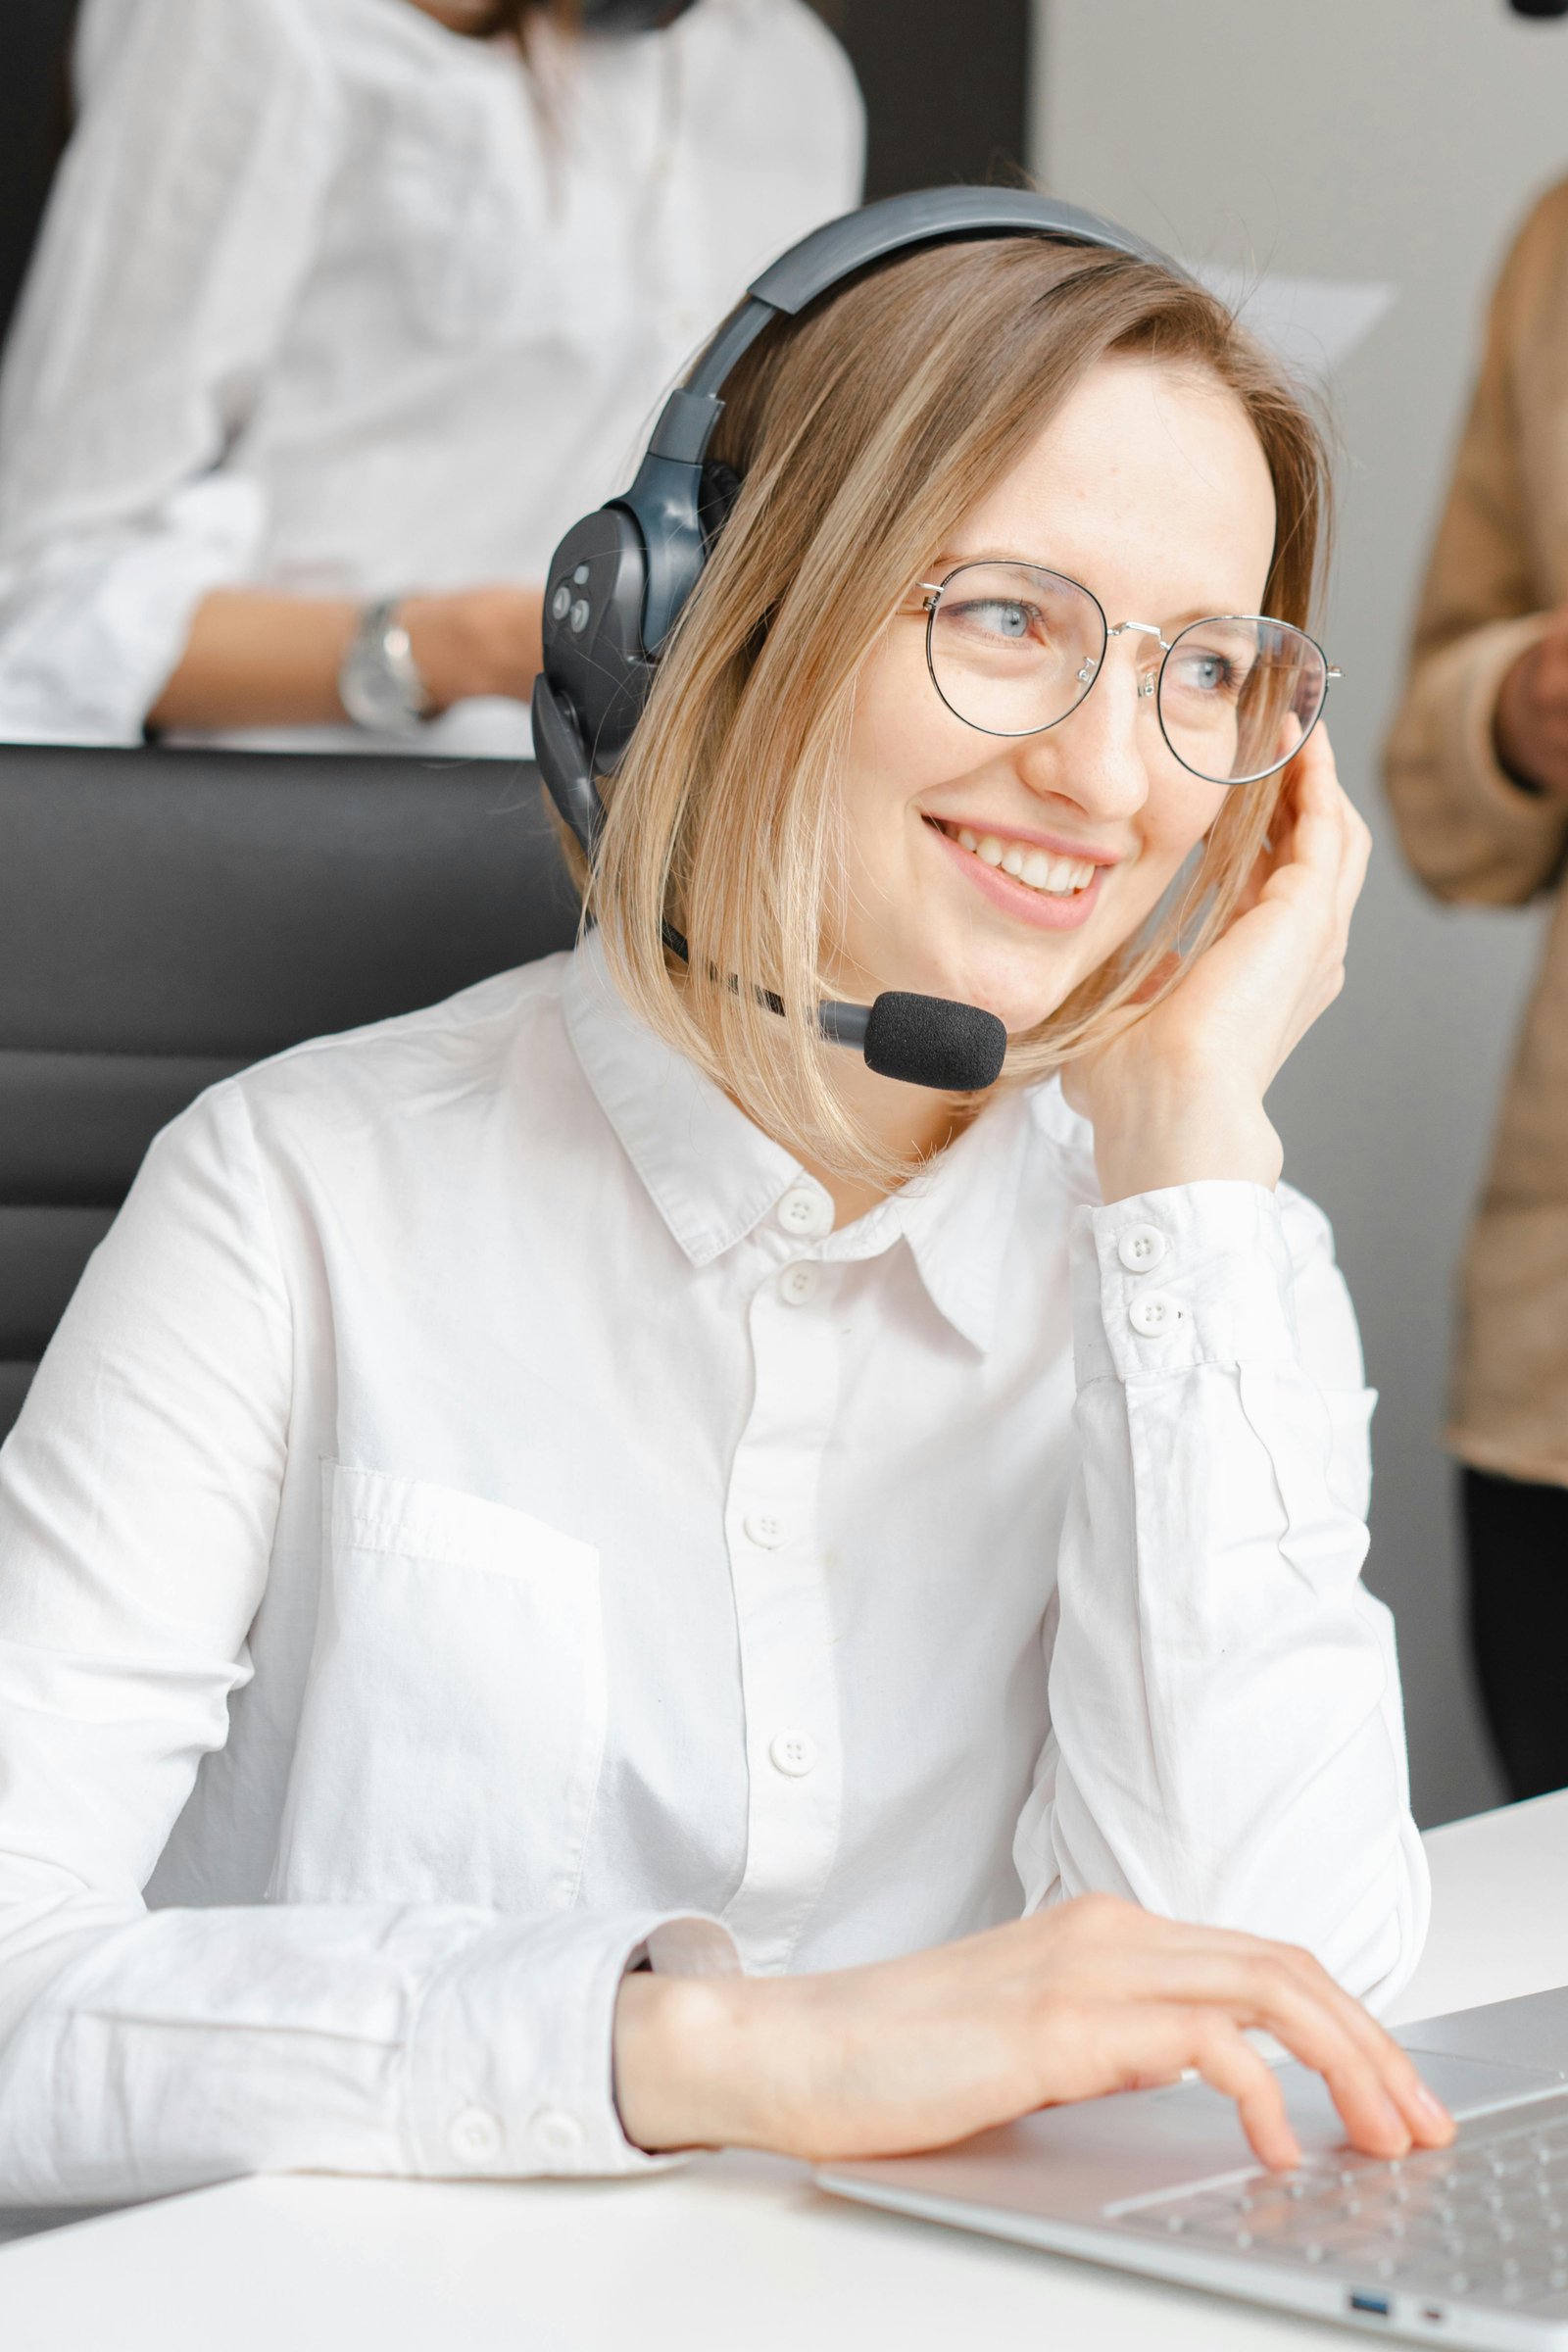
x,y
378,682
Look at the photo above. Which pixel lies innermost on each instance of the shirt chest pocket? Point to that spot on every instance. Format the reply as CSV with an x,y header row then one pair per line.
x,y
454,1714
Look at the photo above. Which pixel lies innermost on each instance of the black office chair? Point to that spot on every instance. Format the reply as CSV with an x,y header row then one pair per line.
x,y
167,918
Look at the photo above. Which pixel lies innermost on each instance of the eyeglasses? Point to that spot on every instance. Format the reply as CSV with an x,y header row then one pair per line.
x,y
1013,649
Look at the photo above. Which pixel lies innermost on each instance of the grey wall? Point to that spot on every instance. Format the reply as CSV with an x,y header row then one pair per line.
x,y
1372,139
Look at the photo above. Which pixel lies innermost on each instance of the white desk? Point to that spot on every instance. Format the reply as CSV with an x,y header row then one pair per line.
x,y
733,2251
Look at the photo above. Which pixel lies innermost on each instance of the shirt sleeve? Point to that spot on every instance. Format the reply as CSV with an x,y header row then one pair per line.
x,y
183,218
1470,831
144,2051
1227,1734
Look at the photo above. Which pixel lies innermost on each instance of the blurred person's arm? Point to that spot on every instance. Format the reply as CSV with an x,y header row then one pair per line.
x,y
258,660
184,215
1476,818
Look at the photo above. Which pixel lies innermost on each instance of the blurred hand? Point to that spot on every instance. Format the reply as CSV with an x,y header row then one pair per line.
x,y
1530,725
1093,1995
474,641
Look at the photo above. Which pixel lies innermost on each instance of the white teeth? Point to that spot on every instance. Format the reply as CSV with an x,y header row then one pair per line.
x,y
1057,877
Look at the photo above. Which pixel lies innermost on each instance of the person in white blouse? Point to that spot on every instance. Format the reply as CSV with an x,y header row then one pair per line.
x,y
585,1576
342,311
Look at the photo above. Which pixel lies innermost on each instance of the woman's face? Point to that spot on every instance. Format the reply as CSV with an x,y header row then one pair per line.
x,y
1149,487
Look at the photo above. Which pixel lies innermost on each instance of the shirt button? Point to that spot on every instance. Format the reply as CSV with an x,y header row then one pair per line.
x,y
555,2132
474,2136
1156,1313
793,1753
1141,1246
763,1527
798,1283
805,1212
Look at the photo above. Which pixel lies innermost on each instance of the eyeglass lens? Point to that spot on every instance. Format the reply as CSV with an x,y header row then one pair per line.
x,y
1014,650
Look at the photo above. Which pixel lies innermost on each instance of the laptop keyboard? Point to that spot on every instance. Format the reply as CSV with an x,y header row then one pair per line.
x,y
1487,2217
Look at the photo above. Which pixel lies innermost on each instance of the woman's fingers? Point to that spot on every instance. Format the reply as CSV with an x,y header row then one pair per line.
x,y
1377,2089
1227,2061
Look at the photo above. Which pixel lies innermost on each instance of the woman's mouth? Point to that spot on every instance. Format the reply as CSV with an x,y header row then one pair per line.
x,y
1042,887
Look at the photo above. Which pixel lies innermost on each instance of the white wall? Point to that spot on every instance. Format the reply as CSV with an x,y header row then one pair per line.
x,y
1371,139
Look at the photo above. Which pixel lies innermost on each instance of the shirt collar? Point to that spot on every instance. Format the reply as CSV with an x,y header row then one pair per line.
x,y
713,1175
708,1171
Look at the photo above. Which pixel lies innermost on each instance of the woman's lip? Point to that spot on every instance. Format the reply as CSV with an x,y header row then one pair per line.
x,y
1033,907
1055,843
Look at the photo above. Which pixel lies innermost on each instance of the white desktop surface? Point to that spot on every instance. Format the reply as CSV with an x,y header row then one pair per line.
x,y
730,2251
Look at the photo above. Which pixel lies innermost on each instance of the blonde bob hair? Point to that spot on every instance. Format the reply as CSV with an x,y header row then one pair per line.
x,y
864,431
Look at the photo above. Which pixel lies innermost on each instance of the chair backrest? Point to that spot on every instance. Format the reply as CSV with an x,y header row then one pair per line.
x,y
167,918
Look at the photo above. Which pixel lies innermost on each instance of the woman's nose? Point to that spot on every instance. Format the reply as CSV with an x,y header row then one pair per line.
x,y
1097,757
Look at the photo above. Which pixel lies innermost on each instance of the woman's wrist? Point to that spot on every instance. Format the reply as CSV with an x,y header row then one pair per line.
x,y
682,2062
1183,1128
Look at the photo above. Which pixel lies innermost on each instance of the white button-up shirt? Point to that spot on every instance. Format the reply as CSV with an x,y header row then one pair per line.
x,y
333,300
478,1520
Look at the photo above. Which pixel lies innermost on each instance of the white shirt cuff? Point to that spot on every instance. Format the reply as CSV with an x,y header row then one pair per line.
x,y
1192,1274
508,2065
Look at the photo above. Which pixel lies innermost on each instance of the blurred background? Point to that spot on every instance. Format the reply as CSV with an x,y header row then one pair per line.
x,y
1356,168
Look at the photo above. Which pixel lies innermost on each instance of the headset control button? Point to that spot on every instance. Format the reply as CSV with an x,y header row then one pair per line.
x,y
580,575
561,603
580,616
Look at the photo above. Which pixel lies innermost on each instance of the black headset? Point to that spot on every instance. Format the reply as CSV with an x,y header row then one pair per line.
x,y
619,579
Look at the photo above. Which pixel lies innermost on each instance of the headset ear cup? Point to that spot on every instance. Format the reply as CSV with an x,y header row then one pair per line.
x,y
720,488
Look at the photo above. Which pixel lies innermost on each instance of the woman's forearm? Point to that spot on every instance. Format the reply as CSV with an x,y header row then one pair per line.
x,y
256,660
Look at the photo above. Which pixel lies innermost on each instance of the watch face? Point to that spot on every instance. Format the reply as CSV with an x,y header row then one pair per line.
x,y
378,684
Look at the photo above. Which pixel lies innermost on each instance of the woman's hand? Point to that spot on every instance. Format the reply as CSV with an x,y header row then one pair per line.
x,y
1179,1096
1094,1995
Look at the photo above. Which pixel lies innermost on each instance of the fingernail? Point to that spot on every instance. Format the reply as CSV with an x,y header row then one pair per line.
x,y
1430,2108
1398,2123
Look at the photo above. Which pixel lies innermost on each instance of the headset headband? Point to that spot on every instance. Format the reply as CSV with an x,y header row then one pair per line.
x,y
837,251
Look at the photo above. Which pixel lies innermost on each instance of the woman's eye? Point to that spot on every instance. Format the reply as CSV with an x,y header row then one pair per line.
x,y
1210,674
998,617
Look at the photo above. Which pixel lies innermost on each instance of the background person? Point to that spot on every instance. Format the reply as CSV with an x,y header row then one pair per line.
x,y
341,312
590,1471
1478,778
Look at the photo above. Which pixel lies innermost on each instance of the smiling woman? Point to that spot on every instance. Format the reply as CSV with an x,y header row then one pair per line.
x,y
1123,432
718,1596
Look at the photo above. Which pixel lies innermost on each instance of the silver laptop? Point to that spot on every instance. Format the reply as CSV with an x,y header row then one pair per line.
x,y
1466,2246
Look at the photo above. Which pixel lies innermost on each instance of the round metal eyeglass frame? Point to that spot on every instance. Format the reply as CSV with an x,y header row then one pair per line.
x,y
1150,683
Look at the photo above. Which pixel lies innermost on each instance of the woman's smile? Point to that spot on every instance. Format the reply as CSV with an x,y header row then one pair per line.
x,y
1045,889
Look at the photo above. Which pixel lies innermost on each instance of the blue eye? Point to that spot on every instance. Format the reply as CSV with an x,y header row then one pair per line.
x,y
996,616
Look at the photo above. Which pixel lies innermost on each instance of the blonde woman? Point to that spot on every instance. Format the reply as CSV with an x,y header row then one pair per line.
x,y
620,1581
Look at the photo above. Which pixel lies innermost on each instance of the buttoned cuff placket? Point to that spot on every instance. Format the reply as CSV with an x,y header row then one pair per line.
x,y
510,2061
1195,1274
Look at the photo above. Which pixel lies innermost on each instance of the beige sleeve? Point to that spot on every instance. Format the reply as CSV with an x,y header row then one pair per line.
x,y
1468,829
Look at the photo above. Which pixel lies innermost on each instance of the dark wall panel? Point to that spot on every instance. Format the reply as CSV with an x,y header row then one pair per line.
x,y
947,86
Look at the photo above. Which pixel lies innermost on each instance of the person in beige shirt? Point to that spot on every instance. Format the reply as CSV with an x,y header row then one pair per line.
x,y
1477,771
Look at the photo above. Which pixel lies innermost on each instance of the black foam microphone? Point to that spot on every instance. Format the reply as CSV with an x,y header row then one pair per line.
x,y
926,1040
1539,8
